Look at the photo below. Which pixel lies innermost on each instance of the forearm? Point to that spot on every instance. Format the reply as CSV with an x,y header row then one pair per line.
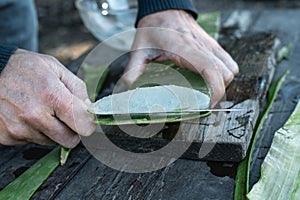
x,y
146,7
5,53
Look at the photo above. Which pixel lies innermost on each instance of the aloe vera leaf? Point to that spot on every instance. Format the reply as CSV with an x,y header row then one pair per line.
x,y
210,22
110,120
91,76
280,169
243,170
152,76
64,154
171,74
169,97
27,183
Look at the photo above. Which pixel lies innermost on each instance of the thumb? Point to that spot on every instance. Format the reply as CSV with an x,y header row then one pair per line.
x,y
136,66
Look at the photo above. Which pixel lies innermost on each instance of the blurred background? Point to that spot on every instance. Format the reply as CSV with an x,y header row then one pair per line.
x,y
63,34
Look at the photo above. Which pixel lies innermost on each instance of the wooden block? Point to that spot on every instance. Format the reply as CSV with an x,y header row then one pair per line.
x,y
224,136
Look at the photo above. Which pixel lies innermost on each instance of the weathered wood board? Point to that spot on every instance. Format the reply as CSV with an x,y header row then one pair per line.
x,y
223,136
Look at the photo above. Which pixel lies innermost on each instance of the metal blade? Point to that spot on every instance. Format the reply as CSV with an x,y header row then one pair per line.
x,y
181,111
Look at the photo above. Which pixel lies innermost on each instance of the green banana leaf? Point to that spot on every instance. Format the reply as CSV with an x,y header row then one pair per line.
x,y
280,171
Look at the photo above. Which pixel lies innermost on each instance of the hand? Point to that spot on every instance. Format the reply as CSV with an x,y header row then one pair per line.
x,y
42,102
177,37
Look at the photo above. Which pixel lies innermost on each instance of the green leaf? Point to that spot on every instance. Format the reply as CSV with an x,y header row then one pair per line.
x,y
27,183
137,104
280,171
243,170
64,154
91,76
210,22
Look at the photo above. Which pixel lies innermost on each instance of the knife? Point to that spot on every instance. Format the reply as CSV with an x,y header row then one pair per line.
x,y
187,111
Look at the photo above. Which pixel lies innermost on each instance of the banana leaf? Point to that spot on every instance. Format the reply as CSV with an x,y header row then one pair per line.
x,y
280,171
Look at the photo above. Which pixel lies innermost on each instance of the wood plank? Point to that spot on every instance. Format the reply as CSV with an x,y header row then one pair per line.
x,y
223,136
184,179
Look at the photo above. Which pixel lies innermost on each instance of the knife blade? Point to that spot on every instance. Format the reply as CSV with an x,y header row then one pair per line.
x,y
187,111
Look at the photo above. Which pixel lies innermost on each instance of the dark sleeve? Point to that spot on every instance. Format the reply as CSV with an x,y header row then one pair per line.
x,y
5,53
146,7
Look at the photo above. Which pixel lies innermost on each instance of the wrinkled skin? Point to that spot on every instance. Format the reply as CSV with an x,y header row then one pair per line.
x,y
42,102
204,55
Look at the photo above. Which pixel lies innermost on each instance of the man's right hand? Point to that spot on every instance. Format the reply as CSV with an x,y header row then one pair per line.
x,y
42,102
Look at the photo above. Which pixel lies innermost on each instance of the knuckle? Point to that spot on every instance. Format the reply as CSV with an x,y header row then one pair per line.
x,y
229,77
235,68
51,58
14,133
32,115
81,85
58,101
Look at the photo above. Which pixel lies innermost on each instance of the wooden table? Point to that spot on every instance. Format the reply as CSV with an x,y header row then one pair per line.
x,y
84,177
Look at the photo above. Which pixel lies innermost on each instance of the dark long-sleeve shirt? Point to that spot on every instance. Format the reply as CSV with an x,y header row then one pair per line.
x,y
5,53
146,7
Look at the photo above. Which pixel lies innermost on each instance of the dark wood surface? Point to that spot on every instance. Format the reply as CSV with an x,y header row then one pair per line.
x,y
86,178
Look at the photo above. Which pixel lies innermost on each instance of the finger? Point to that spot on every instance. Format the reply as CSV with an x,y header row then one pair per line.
x,y
75,85
40,138
57,131
48,129
227,60
212,71
226,73
8,141
216,83
73,112
135,67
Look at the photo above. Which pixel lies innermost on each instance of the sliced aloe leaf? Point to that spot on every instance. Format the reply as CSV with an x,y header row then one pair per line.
x,y
27,183
111,120
129,107
167,98
280,169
